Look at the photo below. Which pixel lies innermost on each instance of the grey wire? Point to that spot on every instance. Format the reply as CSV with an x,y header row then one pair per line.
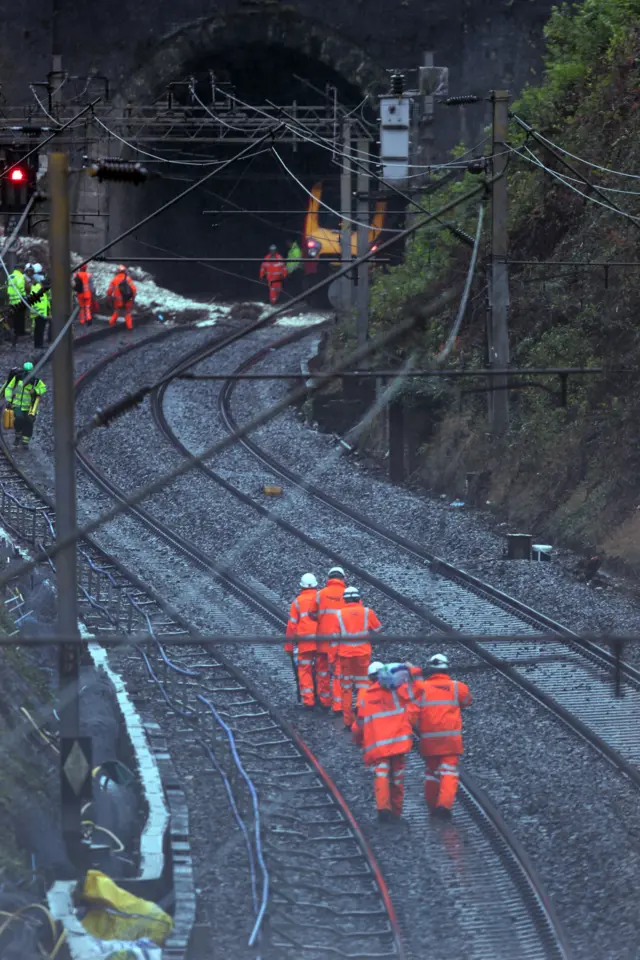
x,y
558,176
446,350
588,163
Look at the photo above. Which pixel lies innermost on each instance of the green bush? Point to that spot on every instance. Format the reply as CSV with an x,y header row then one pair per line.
x,y
582,41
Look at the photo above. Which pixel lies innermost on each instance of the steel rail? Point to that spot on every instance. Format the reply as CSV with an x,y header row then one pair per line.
x,y
443,567
545,923
587,650
485,814
390,938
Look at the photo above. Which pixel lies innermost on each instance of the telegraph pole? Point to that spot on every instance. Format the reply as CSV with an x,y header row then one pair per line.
x,y
498,327
75,755
346,283
363,216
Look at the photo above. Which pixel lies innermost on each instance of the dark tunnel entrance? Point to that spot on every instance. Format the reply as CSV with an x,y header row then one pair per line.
x,y
256,72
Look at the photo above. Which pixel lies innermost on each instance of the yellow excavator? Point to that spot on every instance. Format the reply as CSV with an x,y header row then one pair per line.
x,y
321,242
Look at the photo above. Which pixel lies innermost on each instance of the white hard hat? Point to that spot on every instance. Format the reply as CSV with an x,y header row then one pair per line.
x,y
337,572
351,594
28,266
121,268
307,580
439,661
37,268
375,668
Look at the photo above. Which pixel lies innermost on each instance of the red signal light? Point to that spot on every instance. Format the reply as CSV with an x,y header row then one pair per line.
x,y
18,175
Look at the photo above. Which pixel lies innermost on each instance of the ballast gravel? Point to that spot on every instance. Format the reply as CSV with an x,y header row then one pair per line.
x,y
536,771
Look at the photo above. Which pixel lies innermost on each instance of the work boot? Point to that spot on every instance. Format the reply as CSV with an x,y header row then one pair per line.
x,y
442,813
385,816
16,440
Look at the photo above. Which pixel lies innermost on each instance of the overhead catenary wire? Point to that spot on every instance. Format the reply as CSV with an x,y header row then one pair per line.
x,y
366,168
18,227
266,415
259,420
242,154
104,417
587,163
531,132
563,180
342,216
146,153
43,143
451,339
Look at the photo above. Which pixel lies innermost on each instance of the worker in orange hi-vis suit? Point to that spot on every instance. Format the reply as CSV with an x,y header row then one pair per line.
x,y
439,700
122,292
274,270
382,729
301,637
330,602
83,289
357,623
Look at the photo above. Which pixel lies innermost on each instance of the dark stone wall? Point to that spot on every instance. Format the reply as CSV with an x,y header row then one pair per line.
x,y
485,43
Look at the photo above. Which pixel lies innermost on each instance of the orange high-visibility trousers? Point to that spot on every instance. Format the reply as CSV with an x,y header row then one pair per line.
x,y
305,663
353,674
322,679
275,289
84,304
128,318
336,686
388,783
441,780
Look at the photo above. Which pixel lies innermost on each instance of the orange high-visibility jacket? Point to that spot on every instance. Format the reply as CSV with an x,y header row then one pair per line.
x,y
330,602
357,623
383,723
439,699
303,622
274,268
114,291
85,278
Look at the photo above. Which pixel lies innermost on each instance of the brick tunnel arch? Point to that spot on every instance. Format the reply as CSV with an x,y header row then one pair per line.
x,y
263,53
212,36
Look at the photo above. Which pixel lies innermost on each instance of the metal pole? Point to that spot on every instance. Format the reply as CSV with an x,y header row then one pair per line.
x,y
73,772
345,209
362,187
498,339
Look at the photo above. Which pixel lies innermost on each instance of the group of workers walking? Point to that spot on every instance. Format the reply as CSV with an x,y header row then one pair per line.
x,y
328,636
121,296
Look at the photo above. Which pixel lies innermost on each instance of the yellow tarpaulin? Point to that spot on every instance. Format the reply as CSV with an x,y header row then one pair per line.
x,y
115,914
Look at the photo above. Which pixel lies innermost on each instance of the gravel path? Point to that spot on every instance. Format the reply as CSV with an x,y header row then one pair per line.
x,y
536,771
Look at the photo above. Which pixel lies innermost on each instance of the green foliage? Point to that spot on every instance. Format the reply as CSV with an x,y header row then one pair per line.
x,y
583,40
429,254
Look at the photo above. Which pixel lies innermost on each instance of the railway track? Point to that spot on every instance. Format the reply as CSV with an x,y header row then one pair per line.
x,y
310,839
492,858
572,676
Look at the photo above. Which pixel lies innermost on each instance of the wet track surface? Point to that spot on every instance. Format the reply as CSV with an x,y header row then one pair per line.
x,y
511,756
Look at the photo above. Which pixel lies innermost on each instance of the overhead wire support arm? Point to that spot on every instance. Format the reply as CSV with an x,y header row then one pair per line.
x,y
358,165
56,133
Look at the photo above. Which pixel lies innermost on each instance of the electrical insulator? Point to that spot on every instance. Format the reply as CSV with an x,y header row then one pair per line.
x,y
457,101
33,298
397,84
122,170
477,166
